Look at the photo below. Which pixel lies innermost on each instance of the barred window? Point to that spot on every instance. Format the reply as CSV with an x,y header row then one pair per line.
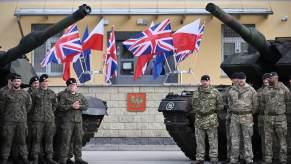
x,y
39,53
233,43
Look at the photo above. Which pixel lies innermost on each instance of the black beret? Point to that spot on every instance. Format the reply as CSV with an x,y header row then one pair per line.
x,y
274,74
71,81
266,75
15,76
10,76
43,77
241,75
205,77
234,75
33,79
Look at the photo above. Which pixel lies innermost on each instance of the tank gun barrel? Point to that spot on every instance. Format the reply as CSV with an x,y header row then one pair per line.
x,y
35,39
251,36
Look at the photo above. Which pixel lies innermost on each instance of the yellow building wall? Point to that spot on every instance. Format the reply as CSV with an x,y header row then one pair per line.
x,y
206,61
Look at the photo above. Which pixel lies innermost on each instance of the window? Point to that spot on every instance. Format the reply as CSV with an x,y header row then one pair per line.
x,y
127,64
233,43
39,53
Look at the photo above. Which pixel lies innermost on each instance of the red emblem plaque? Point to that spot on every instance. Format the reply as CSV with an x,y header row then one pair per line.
x,y
136,102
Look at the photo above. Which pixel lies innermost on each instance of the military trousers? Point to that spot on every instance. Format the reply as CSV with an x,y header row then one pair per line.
x,y
261,132
42,134
200,135
275,126
13,132
241,128
71,137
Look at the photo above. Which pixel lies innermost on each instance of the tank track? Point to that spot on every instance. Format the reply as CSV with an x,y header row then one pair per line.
x,y
181,130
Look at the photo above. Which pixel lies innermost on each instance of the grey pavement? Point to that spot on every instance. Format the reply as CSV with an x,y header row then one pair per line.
x,y
135,157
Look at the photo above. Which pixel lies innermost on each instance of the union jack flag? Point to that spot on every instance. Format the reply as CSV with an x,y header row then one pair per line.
x,y
156,39
111,58
66,49
199,37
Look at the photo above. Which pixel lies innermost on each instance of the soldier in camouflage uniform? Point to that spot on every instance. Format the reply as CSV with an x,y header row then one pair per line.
x,y
266,78
44,103
243,104
234,80
15,103
57,137
70,108
206,103
275,99
33,83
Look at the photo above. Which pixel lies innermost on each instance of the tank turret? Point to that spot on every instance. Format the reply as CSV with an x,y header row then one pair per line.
x,y
270,55
9,60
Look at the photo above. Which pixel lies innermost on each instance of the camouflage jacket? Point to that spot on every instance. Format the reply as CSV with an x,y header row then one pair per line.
x,y
259,95
275,99
243,100
66,111
30,90
205,104
14,105
44,103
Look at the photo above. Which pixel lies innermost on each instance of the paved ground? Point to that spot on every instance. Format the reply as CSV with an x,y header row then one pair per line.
x,y
135,157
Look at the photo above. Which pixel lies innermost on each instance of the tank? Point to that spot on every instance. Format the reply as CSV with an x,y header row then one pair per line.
x,y
263,56
14,61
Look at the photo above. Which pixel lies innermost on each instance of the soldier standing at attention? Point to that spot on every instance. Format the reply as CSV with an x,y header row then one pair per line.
x,y
234,81
275,98
70,109
243,104
266,78
206,103
33,83
15,103
44,103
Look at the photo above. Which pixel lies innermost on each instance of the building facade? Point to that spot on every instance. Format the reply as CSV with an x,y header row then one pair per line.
x,y
20,17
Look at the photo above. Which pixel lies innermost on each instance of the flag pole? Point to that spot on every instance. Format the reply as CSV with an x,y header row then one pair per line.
x,y
175,61
167,62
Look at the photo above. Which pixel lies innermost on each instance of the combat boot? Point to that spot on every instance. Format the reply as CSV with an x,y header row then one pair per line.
x,y
69,161
51,161
80,161
62,161
35,161
4,161
25,161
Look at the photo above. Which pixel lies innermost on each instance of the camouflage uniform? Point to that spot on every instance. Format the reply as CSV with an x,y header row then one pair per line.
x,y
71,124
274,102
57,137
243,103
206,102
14,105
44,103
261,118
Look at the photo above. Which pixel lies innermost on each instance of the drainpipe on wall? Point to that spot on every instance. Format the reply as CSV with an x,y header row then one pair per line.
x,y
19,25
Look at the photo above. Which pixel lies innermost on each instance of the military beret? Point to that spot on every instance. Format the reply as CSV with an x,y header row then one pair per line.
x,y
241,75
15,76
274,74
266,75
205,77
71,81
33,79
234,75
10,76
43,77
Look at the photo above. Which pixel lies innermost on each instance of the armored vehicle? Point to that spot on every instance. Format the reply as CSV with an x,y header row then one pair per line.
x,y
14,61
264,56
